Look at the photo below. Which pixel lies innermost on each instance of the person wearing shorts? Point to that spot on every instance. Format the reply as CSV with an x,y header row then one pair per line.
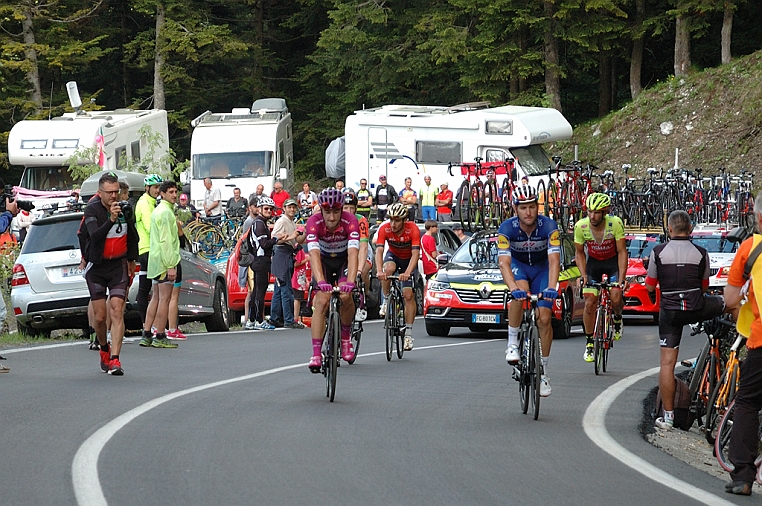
x,y
681,269
529,256
111,248
600,250
333,242
143,209
404,240
164,259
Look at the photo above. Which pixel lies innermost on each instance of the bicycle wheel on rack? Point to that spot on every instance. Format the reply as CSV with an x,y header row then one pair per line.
x,y
535,369
389,322
564,208
505,199
476,197
464,194
211,240
523,369
541,202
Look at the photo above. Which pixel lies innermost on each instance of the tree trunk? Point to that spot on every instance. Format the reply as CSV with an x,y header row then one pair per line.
x,y
126,91
636,59
159,97
552,59
257,74
604,83
682,46
727,31
30,53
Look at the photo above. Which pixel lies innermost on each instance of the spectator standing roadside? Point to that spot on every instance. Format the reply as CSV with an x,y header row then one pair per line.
x,y
409,197
340,185
427,196
282,304
457,228
24,220
186,212
212,206
164,260
143,209
261,244
429,249
259,192
236,206
111,248
682,270
444,203
11,210
364,199
307,198
244,273
279,196
386,195
299,282
744,439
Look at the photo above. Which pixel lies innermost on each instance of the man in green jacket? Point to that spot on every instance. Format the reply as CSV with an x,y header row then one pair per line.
x,y
427,196
143,209
164,259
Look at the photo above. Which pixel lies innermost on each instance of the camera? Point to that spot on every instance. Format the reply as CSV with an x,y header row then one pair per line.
x,y
126,208
8,196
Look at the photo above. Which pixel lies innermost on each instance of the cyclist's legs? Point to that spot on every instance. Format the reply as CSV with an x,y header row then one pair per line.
x,y
538,281
319,314
515,309
595,271
398,266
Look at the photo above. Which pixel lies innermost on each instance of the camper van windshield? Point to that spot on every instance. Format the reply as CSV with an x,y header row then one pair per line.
x,y
533,159
47,178
232,165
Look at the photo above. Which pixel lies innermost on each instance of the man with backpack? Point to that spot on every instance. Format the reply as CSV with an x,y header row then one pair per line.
x,y
682,270
745,281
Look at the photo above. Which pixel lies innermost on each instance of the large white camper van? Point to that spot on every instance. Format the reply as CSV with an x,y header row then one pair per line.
x,y
242,149
414,141
43,147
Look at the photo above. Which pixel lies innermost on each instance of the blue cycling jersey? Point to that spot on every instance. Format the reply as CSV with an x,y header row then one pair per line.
x,y
532,249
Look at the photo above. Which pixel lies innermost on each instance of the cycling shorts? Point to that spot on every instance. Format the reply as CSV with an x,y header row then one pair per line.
x,y
165,279
143,261
671,323
402,265
596,269
334,270
535,275
111,275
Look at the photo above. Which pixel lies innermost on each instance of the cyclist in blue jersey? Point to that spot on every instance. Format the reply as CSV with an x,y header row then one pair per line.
x,y
529,256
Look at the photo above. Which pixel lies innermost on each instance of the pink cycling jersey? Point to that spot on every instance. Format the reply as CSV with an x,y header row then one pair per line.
x,y
335,243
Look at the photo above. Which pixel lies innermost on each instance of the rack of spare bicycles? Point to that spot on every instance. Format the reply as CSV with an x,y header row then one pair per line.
x,y
483,200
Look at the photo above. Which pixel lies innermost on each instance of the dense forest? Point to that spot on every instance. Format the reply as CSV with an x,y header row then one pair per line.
x,y
328,58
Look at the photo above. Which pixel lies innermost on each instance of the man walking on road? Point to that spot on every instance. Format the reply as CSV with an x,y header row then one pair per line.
x,y
682,270
744,439
111,250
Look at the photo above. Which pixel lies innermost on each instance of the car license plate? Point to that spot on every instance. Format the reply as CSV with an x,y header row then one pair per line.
x,y
485,318
70,272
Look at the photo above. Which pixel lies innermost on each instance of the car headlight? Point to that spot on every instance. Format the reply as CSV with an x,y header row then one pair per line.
x,y
639,280
438,286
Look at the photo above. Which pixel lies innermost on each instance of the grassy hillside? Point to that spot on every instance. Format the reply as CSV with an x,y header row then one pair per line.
x,y
715,115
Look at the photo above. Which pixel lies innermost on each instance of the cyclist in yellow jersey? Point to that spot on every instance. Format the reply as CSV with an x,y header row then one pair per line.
x,y
600,249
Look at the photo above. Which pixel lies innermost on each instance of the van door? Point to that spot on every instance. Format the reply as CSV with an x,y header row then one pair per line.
x,y
380,151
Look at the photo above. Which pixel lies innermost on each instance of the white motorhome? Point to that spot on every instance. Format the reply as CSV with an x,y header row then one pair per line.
x,y
43,147
242,149
414,141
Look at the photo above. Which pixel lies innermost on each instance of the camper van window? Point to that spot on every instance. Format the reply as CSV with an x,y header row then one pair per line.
x,y
47,178
533,159
121,157
496,155
281,154
135,151
65,143
34,144
438,152
232,165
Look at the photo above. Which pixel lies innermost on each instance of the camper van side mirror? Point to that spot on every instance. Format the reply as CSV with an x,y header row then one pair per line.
x,y
283,174
195,247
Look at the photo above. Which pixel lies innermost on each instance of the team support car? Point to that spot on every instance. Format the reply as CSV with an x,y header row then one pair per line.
x,y
637,300
48,291
469,291
721,243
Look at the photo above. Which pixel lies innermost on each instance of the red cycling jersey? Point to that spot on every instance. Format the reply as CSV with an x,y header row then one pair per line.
x,y
400,245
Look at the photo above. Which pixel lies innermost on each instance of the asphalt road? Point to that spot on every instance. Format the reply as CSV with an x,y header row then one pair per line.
x,y
236,418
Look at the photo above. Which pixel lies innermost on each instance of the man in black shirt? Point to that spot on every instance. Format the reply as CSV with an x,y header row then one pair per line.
x,y
386,195
237,206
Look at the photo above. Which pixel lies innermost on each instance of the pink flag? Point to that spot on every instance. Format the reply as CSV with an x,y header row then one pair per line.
x,y
101,154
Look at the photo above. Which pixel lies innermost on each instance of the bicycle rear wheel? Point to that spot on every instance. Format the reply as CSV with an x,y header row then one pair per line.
x,y
523,368
535,369
389,322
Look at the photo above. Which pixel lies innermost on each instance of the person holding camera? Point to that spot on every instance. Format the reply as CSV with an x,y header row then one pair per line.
x,y
111,250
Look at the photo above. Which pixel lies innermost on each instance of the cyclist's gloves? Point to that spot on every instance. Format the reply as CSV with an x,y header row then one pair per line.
x,y
324,286
550,294
519,294
346,286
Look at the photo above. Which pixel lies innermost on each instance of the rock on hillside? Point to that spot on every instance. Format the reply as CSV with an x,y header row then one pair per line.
x,y
714,117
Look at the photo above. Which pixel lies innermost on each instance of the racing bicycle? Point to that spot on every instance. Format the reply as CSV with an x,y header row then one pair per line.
x,y
603,335
724,391
528,371
394,321
724,431
358,295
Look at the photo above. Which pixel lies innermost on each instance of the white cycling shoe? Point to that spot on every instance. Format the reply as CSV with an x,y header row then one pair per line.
x,y
545,386
512,354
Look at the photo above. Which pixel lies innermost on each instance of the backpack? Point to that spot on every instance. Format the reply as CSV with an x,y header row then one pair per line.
x,y
684,418
245,258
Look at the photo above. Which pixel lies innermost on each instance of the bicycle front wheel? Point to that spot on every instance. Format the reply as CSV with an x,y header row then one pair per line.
x,y
524,372
535,369
389,322
722,441
333,338
400,326
598,338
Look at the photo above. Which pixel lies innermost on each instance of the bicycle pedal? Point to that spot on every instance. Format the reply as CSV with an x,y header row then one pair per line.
x,y
688,362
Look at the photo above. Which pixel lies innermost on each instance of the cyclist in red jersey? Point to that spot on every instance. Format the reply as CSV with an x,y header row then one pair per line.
x,y
404,240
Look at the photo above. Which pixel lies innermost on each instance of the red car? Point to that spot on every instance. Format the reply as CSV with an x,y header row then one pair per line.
x,y
636,299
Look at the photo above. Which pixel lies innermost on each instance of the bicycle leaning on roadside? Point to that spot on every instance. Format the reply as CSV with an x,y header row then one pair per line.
x,y
528,371
394,320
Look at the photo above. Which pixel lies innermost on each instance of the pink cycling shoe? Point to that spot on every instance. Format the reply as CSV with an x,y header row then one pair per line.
x,y
316,363
347,353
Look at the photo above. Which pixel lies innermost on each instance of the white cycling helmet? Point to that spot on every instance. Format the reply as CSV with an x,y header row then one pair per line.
x,y
524,194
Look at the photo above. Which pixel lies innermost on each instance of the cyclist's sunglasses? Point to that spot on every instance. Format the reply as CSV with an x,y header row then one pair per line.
x,y
335,207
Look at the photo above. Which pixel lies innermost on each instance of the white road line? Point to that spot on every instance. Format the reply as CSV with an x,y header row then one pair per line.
x,y
84,467
594,423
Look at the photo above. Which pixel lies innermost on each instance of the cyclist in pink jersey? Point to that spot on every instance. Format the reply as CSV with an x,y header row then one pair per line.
x,y
333,242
